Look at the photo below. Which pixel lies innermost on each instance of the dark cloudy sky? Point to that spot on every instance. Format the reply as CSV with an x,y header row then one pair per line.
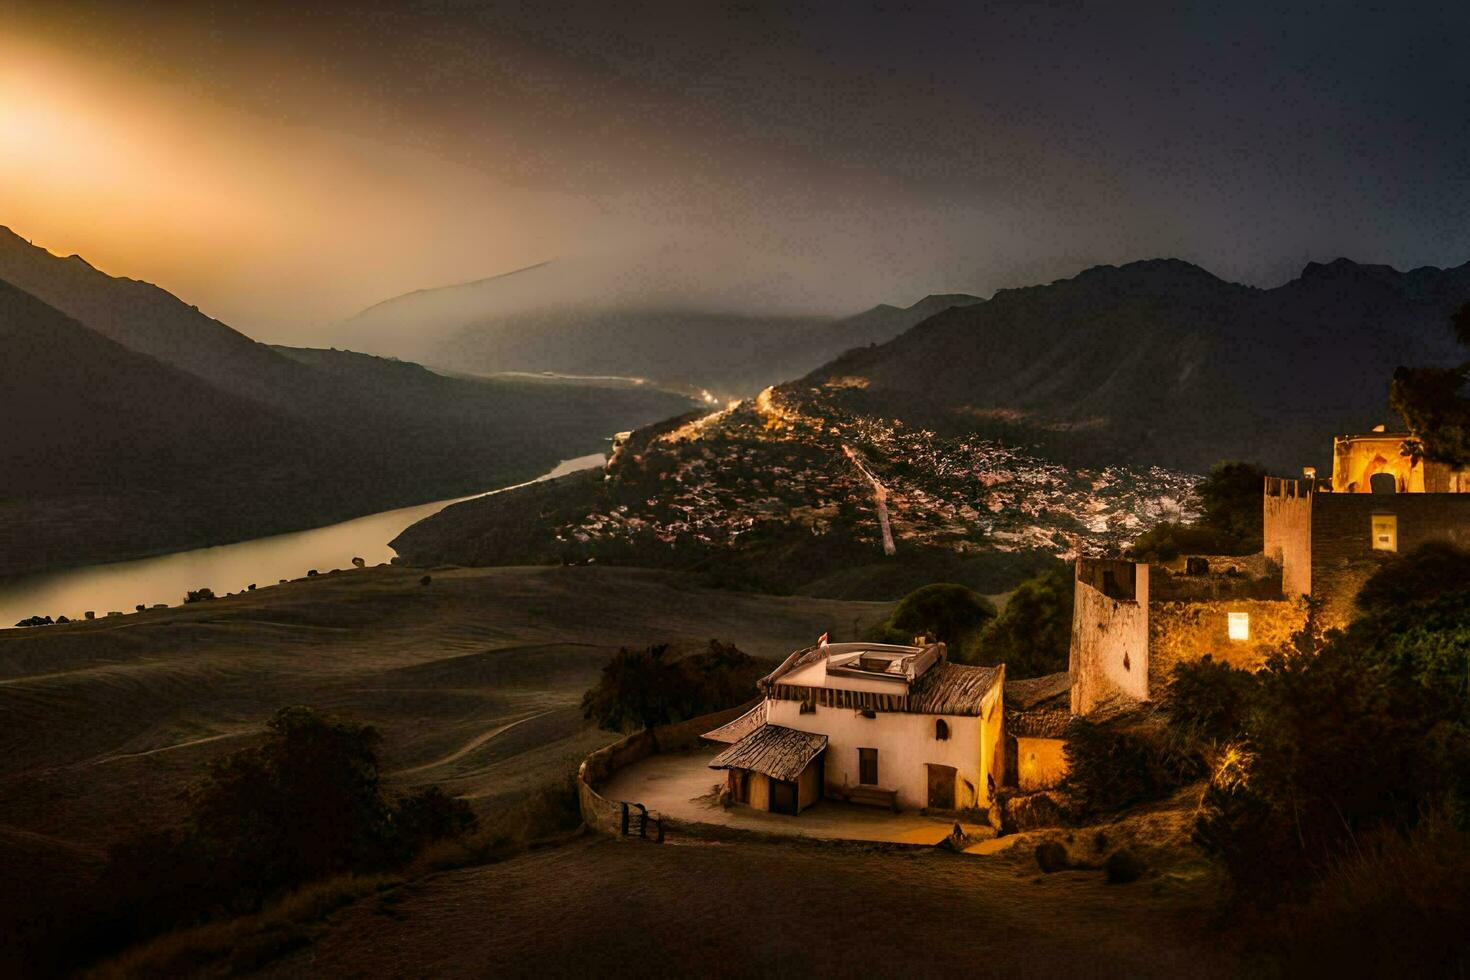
x,y
285,165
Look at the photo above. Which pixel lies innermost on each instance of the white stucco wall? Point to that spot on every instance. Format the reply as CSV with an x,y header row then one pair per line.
x,y
905,744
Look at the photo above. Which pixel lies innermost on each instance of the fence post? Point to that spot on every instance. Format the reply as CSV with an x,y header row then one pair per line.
x,y
625,819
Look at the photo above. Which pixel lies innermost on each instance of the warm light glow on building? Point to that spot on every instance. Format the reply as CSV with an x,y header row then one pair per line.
x,y
1385,532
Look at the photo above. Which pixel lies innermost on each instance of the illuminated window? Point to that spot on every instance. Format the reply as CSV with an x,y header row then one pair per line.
x,y
1385,532
1240,625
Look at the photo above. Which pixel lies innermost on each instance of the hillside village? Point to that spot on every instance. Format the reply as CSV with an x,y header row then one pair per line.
x,y
781,461
907,728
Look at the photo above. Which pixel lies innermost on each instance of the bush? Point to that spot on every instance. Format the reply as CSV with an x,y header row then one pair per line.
x,y
430,815
1032,635
650,687
1426,572
199,595
1208,700
1109,770
1396,906
303,806
1357,733
1167,541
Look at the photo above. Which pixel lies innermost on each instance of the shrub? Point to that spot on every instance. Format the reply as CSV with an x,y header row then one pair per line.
x,y
199,595
1208,700
303,806
1430,570
1109,769
1350,734
1395,906
646,688
430,815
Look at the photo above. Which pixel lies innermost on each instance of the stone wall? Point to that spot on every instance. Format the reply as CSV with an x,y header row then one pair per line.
x,y
1041,763
1109,649
1181,631
1287,532
606,815
1342,554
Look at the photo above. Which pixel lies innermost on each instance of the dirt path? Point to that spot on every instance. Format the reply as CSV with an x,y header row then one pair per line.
x,y
471,745
617,909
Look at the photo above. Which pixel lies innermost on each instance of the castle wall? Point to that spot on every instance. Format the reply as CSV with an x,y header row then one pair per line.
x,y
1041,763
1287,532
1341,534
1109,650
1185,631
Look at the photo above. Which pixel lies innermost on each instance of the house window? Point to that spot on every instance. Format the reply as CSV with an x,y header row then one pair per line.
x,y
1385,532
868,767
941,729
1240,625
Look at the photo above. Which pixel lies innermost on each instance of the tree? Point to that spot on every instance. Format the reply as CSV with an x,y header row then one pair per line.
x,y
1231,500
952,614
1032,635
639,689
1230,521
303,805
1435,403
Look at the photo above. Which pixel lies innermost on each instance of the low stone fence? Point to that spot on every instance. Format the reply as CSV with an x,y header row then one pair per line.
x,y
606,816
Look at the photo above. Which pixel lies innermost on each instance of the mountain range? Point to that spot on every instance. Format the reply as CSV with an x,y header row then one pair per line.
x,y
138,424
541,319
1160,362
1002,432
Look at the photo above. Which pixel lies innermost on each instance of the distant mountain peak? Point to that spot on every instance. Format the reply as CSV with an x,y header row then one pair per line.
x,y
1342,268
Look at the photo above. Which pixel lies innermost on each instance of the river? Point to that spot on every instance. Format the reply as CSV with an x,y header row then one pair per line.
x,y
121,586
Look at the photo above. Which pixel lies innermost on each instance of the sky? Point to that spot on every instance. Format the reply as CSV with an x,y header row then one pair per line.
x,y
285,165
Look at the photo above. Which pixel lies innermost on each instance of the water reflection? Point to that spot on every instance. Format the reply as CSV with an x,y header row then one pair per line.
x,y
226,568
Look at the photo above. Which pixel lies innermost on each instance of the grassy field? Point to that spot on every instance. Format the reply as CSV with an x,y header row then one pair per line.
x,y
615,909
474,681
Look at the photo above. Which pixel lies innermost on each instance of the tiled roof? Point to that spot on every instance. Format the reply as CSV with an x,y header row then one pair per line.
x,y
734,731
778,752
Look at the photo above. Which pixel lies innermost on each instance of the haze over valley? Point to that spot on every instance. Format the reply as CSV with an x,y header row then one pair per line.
x,y
734,489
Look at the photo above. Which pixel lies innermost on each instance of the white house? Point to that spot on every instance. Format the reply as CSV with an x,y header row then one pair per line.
x,y
869,722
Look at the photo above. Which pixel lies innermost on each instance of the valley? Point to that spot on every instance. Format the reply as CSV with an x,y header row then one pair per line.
x,y
147,427
474,681
777,493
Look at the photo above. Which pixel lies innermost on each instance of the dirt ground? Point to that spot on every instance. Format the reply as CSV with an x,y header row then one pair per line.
x,y
474,681
618,908
681,786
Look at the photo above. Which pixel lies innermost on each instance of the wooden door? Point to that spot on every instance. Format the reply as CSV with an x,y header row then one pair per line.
x,y
783,797
941,787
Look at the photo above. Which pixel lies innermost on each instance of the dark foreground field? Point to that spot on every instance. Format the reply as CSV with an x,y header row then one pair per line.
x,y
474,681
612,909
